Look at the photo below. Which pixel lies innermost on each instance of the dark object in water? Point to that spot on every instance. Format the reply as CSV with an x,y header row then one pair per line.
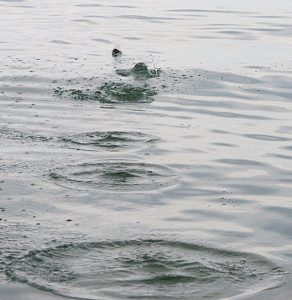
x,y
139,71
140,68
116,52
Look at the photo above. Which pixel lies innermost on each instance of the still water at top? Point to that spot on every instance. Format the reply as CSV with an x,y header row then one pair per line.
x,y
164,173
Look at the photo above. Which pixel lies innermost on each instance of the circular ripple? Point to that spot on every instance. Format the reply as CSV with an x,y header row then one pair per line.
x,y
119,176
148,269
109,140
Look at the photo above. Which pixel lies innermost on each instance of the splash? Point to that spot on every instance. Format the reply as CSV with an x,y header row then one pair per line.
x,y
139,71
111,92
123,92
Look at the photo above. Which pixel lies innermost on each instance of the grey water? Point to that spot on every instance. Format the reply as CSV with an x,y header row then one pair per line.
x,y
163,173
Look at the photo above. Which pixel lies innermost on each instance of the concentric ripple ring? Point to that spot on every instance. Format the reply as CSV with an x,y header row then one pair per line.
x,y
144,269
114,176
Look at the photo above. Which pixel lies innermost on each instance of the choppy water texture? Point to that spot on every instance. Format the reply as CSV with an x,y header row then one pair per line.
x,y
163,173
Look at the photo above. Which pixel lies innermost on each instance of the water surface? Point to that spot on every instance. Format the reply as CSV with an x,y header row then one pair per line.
x,y
164,173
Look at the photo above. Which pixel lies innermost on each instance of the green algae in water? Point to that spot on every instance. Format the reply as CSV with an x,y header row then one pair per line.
x,y
111,92
139,71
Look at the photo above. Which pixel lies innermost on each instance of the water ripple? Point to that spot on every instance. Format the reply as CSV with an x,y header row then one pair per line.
x,y
149,269
114,176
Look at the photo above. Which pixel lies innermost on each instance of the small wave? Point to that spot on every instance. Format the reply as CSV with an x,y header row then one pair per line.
x,y
60,42
269,138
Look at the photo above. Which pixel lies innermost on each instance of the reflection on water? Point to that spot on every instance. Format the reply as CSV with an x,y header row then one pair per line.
x,y
170,176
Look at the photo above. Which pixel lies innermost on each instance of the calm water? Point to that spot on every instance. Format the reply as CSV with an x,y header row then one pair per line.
x,y
168,180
